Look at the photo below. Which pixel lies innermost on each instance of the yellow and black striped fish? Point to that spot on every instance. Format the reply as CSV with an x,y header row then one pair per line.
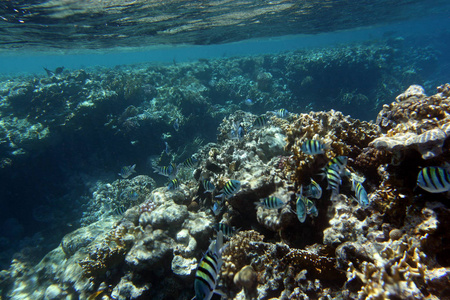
x,y
206,276
271,202
230,188
434,179
191,162
313,147
259,122
173,184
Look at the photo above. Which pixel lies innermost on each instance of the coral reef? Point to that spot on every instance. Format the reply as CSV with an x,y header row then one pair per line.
x,y
140,240
415,122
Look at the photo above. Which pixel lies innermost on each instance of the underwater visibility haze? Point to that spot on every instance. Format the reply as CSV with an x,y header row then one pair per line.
x,y
224,149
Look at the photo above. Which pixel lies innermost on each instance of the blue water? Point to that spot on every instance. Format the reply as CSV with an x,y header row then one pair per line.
x,y
23,61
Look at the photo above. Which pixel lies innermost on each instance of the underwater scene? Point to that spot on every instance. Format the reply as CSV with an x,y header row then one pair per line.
x,y
224,149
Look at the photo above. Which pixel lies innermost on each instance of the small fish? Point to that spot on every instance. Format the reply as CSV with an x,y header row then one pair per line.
x,y
271,202
248,102
216,207
176,124
361,194
230,188
127,171
207,274
169,171
119,211
313,147
227,230
301,209
168,149
282,113
240,132
434,179
208,186
173,184
130,195
334,180
311,208
340,161
191,162
259,122
313,190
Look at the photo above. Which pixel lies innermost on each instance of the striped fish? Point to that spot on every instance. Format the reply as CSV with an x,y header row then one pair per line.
x,y
230,188
206,276
434,179
191,162
340,161
361,194
127,171
301,209
259,122
282,113
208,186
169,171
227,230
311,208
313,190
334,180
271,202
173,184
313,147
119,210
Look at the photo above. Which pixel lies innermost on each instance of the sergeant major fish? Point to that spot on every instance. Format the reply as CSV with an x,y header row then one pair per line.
x,y
361,194
127,171
334,180
208,186
230,188
173,184
207,274
190,162
313,147
271,202
169,171
282,113
313,190
434,179
227,230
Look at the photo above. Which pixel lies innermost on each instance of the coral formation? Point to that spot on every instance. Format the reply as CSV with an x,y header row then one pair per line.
x,y
139,240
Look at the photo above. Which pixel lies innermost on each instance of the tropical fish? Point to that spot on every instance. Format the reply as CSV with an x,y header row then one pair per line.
x,y
301,209
206,276
334,180
173,184
168,149
434,179
248,102
259,122
313,190
227,230
127,171
130,195
340,161
271,202
169,171
176,124
216,207
282,113
230,188
119,210
191,162
238,132
304,207
208,186
361,194
311,208
313,147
